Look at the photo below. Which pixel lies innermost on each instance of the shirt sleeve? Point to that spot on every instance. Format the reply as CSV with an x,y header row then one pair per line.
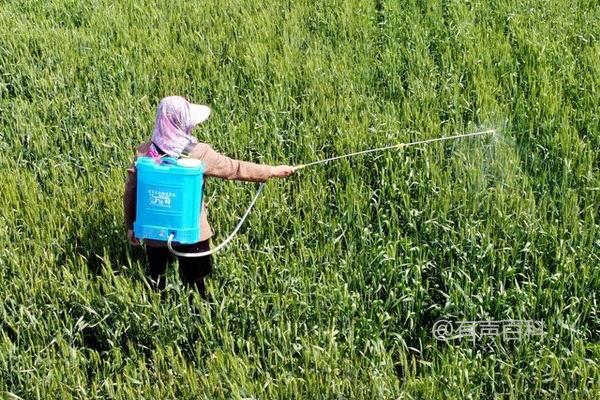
x,y
129,197
221,166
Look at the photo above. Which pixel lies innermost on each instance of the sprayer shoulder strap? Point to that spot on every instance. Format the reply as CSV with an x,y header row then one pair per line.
x,y
187,150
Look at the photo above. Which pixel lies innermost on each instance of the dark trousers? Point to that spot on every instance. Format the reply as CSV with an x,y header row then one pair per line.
x,y
192,270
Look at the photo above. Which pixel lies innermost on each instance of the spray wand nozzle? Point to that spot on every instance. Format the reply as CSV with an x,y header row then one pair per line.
x,y
394,146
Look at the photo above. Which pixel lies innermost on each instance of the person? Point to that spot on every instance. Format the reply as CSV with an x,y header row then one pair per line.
x,y
172,136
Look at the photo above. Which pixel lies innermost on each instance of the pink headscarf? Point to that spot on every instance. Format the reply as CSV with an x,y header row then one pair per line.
x,y
175,118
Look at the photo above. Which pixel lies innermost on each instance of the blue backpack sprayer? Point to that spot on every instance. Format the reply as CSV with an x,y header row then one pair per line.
x,y
169,196
167,190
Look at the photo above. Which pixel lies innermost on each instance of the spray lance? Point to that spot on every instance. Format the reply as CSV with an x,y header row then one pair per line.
x,y
311,164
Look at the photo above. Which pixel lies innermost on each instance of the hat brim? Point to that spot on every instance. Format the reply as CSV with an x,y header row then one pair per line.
x,y
198,113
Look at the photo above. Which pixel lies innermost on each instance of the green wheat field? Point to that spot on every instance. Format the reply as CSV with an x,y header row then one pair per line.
x,y
333,287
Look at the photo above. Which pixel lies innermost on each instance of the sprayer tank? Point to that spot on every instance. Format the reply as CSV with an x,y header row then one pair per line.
x,y
168,199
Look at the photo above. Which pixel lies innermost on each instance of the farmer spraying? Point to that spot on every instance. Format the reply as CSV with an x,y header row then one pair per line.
x,y
163,194
172,138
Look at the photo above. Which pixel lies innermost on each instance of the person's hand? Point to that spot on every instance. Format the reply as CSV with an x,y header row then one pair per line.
x,y
282,171
132,239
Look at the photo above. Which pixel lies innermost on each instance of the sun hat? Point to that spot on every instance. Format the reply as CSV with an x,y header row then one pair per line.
x,y
175,119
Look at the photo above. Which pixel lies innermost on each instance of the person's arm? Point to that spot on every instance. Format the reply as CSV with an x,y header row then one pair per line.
x,y
221,166
129,200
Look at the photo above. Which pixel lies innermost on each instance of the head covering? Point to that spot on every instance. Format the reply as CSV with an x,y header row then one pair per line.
x,y
175,118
